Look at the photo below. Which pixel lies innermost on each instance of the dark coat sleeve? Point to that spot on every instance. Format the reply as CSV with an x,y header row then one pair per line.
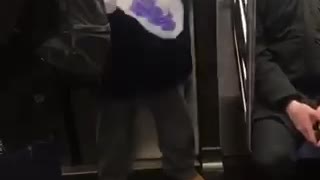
x,y
279,42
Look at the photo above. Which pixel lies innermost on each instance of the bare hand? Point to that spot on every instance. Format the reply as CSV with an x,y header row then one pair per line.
x,y
318,128
318,110
304,118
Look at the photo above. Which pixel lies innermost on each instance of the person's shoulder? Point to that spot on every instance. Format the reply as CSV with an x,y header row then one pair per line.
x,y
276,4
312,11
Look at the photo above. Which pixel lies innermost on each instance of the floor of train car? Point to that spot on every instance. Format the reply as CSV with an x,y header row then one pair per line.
x,y
158,176
306,168
145,175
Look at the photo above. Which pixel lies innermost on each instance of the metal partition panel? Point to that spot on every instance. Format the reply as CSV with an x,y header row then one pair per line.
x,y
251,64
206,70
243,16
146,136
191,94
231,110
244,22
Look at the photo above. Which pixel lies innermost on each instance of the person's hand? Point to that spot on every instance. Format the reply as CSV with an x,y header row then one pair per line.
x,y
318,126
304,118
318,110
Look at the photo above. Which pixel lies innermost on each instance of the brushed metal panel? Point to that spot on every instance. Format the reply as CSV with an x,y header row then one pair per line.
x,y
232,124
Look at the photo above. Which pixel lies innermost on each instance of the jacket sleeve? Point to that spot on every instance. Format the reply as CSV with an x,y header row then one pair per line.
x,y
279,37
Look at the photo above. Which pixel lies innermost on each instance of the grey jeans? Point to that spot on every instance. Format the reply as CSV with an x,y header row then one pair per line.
x,y
173,124
274,149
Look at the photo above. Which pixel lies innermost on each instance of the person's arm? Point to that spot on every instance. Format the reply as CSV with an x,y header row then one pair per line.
x,y
279,40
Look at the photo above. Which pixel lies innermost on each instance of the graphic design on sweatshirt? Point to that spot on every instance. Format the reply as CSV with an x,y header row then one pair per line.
x,y
153,13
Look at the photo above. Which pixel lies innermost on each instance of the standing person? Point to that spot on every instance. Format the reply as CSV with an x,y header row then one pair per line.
x,y
28,151
74,58
152,71
286,106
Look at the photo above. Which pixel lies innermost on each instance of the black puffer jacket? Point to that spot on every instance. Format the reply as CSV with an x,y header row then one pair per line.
x,y
144,63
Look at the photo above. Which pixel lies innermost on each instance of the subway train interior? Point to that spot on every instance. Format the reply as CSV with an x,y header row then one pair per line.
x,y
219,100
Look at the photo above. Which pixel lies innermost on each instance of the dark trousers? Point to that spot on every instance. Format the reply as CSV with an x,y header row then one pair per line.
x,y
69,103
174,127
35,162
276,141
275,146
24,130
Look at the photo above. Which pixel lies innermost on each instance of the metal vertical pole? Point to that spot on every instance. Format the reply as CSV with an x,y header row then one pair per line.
x,y
233,128
251,19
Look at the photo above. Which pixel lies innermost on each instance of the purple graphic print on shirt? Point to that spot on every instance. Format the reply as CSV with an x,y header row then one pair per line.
x,y
149,10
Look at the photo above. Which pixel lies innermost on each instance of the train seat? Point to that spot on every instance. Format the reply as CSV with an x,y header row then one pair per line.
x,y
308,151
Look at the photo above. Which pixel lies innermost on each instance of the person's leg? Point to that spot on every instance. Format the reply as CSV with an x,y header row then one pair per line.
x,y
115,138
175,132
274,147
85,112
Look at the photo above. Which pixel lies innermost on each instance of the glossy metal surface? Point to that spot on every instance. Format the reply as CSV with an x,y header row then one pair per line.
x,y
235,37
244,37
251,63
